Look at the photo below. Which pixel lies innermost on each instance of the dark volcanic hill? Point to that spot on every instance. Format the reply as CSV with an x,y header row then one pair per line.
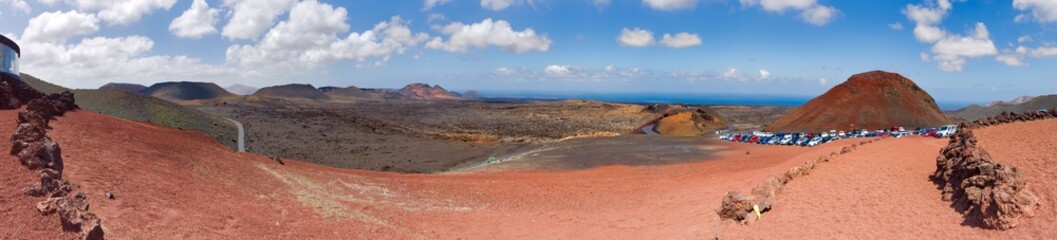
x,y
870,100
422,91
135,106
974,112
292,91
186,91
131,87
350,93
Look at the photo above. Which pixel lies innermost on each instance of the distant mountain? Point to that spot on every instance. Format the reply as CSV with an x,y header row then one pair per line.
x,y
131,87
1014,101
292,91
974,112
186,91
241,89
471,94
350,93
422,91
870,100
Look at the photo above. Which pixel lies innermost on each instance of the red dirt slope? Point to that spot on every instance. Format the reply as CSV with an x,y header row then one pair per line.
x,y
181,184
871,100
883,191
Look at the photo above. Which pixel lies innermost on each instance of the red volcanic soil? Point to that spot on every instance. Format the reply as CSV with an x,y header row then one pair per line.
x,y
170,183
882,191
871,100
426,92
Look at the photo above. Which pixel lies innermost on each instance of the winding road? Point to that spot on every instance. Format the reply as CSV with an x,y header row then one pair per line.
x,y
242,134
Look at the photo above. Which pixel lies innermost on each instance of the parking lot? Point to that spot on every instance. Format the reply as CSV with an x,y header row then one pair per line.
x,y
811,139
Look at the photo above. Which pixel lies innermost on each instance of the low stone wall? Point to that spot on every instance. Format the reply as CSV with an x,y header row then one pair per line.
x,y
988,193
739,207
38,152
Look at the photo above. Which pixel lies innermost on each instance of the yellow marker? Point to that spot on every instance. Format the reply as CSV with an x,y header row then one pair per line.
x,y
756,208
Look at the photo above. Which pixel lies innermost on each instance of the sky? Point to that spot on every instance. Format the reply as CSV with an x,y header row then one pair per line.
x,y
958,50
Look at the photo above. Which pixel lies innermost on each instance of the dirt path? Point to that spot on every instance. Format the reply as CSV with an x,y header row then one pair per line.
x,y
881,190
171,183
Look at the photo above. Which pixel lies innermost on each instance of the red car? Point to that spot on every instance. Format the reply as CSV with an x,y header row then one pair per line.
x,y
754,139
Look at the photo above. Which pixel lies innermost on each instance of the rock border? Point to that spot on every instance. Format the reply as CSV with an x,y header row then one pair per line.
x,y
988,193
38,152
740,207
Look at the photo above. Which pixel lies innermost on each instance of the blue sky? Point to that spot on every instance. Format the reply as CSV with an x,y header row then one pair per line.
x,y
960,51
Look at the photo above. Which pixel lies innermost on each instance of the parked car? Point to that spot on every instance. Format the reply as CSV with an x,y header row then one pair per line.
x,y
786,140
946,131
816,141
803,141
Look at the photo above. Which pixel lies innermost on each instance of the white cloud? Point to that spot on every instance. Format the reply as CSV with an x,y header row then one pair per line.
x,y
635,37
819,15
20,5
1041,10
504,71
680,40
122,12
822,81
429,4
600,3
309,39
1016,57
199,20
250,18
1044,52
764,74
928,34
896,26
730,73
952,50
462,37
433,17
811,11
558,70
1023,39
95,61
923,15
1010,60
779,5
59,26
670,5
498,5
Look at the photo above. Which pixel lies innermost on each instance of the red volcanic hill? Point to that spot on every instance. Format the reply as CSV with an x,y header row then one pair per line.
x,y
870,100
424,91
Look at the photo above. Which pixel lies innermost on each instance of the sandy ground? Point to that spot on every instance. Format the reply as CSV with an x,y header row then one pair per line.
x,y
882,190
171,184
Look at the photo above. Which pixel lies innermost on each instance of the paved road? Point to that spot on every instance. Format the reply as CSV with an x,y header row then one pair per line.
x,y
242,134
650,130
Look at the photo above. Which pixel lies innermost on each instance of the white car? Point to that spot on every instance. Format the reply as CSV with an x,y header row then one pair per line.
x,y
815,142
787,139
946,131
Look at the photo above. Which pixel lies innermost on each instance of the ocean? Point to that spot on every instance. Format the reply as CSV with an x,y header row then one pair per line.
x,y
680,98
